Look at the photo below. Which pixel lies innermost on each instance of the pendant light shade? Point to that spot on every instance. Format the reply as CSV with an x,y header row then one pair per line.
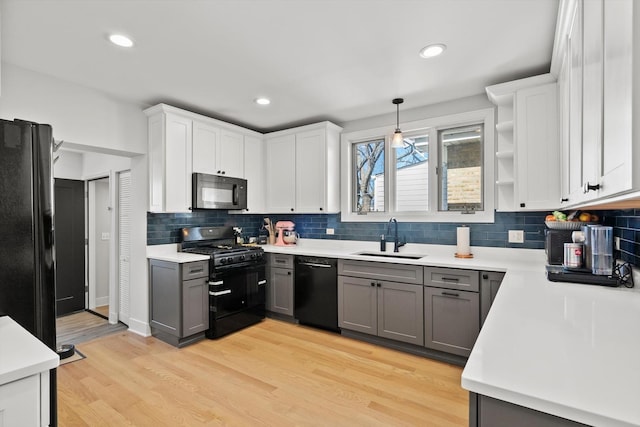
x,y
397,141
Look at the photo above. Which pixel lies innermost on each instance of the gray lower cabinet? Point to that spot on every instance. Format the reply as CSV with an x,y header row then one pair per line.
x,y
451,309
358,304
380,307
489,285
179,300
281,280
485,411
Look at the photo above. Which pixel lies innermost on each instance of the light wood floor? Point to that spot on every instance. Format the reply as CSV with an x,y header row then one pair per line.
x,y
103,310
273,373
83,326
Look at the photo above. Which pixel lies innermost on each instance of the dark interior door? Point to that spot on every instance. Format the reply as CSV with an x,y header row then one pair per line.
x,y
69,241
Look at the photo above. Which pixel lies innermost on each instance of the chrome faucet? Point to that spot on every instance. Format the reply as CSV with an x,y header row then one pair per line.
x,y
396,244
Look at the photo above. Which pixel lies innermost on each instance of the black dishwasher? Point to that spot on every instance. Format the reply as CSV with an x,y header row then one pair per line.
x,y
316,292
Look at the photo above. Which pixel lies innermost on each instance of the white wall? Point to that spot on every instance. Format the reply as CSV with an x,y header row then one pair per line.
x,y
69,165
462,105
97,164
79,115
91,121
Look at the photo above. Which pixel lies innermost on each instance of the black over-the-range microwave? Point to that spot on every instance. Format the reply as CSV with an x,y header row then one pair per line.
x,y
218,192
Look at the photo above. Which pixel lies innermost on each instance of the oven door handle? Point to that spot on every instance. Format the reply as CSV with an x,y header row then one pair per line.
x,y
218,293
218,283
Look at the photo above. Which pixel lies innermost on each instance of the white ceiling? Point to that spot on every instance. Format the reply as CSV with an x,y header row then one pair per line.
x,y
337,60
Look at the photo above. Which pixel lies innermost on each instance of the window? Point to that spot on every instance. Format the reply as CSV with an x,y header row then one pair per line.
x,y
368,179
445,169
460,171
412,174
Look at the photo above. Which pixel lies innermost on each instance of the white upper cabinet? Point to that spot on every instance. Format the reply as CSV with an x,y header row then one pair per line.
x,y
621,82
254,174
281,173
230,154
206,139
170,163
537,149
597,83
217,151
181,143
527,156
303,173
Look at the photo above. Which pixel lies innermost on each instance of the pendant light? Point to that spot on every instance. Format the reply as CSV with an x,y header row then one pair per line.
x,y
397,141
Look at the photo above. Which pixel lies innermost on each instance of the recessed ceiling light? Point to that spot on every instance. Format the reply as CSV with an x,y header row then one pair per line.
x,y
432,50
262,101
120,40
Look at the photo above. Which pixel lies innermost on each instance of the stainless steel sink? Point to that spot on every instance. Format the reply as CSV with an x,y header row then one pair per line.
x,y
391,255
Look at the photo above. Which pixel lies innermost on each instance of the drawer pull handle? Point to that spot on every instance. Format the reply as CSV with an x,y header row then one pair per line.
x,y
281,261
451,294
450,279
262,282
218,293
217,283
199,270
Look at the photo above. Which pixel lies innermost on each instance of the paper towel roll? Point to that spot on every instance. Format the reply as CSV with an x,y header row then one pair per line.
x,y
463,241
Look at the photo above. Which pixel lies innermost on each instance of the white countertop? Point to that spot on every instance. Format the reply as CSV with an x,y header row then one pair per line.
x,y
22,354
170,253
565,349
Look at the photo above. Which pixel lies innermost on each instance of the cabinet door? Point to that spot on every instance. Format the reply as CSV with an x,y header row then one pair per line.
x,y
254,173
451,320
358,304
281,291
537,150
563,125
574,46
618,154
164,281
195,306
178,164
400,312
592,92
310,171
489,285
230,154
20,402
205,142
281,174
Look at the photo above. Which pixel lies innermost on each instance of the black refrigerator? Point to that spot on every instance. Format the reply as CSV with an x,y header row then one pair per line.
x,y
27,254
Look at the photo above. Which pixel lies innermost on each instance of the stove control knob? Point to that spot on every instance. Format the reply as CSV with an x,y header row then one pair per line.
x,y
223,260
253,256
229,260
241,257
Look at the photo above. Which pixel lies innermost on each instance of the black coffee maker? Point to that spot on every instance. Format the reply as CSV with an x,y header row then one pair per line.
x,y
554,245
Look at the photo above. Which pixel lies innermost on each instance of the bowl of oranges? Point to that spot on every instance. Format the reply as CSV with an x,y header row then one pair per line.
x,y
573,221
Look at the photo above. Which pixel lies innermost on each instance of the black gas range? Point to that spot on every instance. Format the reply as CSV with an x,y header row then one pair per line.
x,y
237,278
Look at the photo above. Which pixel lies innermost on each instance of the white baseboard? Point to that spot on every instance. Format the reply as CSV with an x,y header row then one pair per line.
x,y
139,327
100,301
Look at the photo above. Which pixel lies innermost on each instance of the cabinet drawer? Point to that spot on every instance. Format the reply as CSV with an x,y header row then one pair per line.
x,y
281,260
451,278
194,270
411,274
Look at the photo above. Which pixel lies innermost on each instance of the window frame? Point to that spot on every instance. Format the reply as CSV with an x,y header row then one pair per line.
x,y
431,126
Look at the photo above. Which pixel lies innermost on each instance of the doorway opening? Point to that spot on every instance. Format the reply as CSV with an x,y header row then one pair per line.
x,y
99,237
